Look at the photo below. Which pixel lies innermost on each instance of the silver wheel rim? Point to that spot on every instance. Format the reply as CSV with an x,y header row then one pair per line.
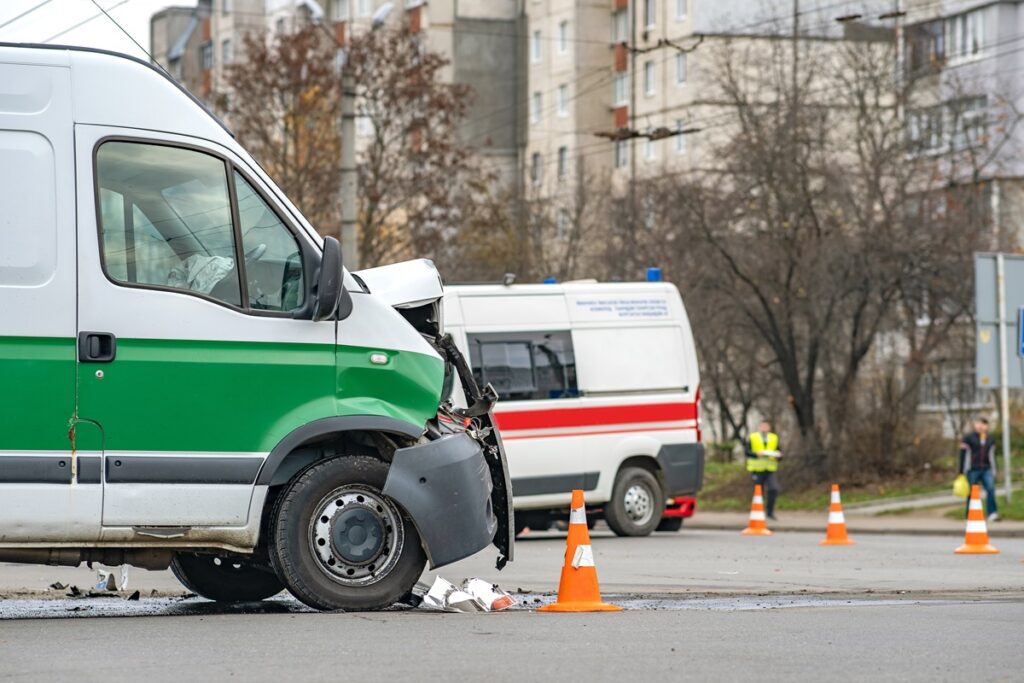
x,y
323,534
639,504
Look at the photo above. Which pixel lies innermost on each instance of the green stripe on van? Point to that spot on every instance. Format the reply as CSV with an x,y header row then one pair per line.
x,y
175,395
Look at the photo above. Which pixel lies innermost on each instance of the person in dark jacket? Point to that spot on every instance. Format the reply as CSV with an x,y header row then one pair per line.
x,y
978,462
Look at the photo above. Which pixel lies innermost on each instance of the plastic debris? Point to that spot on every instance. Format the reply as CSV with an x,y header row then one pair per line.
x,y
57,586
474,595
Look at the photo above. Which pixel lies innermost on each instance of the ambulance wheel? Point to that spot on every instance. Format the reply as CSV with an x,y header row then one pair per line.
x,y
339,543
636,504
225,579
670,524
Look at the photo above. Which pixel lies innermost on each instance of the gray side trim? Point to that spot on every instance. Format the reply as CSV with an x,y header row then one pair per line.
x,y
27,469
682,465
89,469
333,425
182,470
559,483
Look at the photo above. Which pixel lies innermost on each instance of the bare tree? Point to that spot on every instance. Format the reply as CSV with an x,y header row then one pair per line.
x,y
413,170
815,234
282,101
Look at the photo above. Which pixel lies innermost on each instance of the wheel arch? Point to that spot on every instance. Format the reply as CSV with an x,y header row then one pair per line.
x,y
321,430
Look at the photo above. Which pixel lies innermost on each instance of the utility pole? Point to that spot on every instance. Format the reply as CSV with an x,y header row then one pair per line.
x,y
349,237
632,124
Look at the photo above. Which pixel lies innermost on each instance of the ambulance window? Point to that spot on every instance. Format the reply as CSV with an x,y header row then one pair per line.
x,y
165,219
525,365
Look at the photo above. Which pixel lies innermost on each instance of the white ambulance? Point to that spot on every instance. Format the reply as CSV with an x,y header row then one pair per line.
x,y
599,389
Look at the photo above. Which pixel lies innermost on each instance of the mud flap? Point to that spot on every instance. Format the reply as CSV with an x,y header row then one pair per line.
x,y
445,486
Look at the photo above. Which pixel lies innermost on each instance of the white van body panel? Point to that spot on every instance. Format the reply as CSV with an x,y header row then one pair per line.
x,y
636,372
404,285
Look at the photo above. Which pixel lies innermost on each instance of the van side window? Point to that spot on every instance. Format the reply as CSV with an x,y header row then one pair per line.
x,y
165,219
273,262
525,365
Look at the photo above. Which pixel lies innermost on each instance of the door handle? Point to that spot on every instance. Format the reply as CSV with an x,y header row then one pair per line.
x,y
96,347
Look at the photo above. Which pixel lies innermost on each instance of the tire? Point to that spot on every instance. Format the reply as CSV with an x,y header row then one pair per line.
x,y
670,524
637,503
225,579
338,543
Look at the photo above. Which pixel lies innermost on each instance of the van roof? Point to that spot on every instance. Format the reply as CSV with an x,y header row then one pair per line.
x,y
72,55
498,289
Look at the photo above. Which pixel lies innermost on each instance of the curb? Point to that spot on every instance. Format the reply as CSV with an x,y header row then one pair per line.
x,y
993,532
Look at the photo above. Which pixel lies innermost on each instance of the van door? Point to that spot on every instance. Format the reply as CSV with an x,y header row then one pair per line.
x,y
193,354
49,491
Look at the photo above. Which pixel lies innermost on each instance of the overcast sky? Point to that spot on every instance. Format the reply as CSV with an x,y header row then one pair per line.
x,y
55,16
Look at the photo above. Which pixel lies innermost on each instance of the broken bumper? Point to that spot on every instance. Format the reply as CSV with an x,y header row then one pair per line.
x,y
446,487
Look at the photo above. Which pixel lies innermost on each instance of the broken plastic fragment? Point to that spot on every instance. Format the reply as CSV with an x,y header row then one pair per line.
x,y
474,595
488,594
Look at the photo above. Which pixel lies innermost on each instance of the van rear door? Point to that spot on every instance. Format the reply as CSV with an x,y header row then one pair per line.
x,y
49,490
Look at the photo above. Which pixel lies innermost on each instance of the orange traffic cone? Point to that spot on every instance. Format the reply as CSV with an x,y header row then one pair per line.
x,y
578,590
757,526
835,533
976,538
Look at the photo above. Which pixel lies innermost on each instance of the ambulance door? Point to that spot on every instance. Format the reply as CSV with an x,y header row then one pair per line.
x,y
49,491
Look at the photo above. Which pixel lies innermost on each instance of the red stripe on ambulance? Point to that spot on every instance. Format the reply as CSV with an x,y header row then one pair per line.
x,y
594,416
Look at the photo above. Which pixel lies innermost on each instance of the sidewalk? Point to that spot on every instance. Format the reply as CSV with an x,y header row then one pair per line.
x,y
857,522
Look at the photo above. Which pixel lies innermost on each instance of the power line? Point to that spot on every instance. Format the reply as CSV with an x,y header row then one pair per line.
x,y
25,13
86,21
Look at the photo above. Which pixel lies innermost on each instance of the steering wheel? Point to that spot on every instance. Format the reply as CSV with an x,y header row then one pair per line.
x,y
256,253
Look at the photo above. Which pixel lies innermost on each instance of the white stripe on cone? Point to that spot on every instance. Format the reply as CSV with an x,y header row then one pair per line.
x,y
578,516
758,499
975,504
757,515
976,527
836,518
583,557
835,496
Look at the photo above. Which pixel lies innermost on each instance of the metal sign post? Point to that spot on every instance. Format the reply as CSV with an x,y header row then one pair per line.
x,y
999,288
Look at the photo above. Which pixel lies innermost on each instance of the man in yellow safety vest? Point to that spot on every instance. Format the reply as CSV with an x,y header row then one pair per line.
x,y
762,451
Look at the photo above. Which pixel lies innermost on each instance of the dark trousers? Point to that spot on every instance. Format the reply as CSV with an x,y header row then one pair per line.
x,y
770,486
987,481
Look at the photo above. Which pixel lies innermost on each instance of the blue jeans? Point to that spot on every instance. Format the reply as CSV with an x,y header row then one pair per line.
x,y
987,481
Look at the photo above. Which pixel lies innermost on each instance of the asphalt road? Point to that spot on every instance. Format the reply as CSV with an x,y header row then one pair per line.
x,y
706,604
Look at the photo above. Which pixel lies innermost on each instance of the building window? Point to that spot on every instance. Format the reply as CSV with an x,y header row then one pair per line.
x,y
680,139
535,168
621,153
650,151
621,89
342,10
562,225
925,47
681,7
226,7
650,14
620,27
535,48
563,37
206,56
535,107
968,117
924,129
563,100
648,78
227,53
964,34
681,69
563,162
279,26
365,7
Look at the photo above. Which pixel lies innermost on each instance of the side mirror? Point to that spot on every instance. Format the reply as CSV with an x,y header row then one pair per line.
x,y
330,283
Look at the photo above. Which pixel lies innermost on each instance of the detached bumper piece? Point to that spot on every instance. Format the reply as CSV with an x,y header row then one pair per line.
x,y
445,486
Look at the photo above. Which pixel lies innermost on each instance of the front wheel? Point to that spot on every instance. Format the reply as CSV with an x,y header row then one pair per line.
x,y
339,542
637,503
225,579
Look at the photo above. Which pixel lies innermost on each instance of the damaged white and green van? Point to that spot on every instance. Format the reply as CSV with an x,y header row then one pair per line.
x,y
189,377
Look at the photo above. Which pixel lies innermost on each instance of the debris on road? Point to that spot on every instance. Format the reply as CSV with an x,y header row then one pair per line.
x,y
474,595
